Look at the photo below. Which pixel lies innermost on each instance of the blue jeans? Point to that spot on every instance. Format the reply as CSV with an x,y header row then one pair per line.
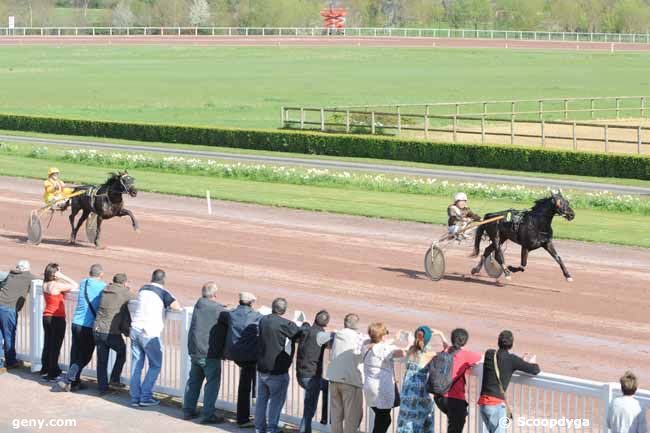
x,y
210,371
144,346
8,320
312,386
271,396
493,416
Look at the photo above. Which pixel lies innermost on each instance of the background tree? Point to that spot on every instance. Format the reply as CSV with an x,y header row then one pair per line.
x,y
199,12
123,16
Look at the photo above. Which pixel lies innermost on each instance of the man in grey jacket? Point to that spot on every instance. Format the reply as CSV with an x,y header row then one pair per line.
x,y
13,290
344,374
112,321
204,317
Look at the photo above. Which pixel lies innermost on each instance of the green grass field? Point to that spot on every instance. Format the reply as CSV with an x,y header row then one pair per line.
x,y
245,87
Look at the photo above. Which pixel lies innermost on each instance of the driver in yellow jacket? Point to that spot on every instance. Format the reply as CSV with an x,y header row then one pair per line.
x,y
55,189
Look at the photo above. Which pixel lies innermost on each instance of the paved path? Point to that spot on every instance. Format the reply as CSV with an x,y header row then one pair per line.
x,y
35,403
459,174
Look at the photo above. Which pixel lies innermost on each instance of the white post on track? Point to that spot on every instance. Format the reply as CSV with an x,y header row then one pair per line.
x,y
209,201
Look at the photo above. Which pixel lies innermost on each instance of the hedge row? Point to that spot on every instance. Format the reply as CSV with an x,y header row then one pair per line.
x,y
472,155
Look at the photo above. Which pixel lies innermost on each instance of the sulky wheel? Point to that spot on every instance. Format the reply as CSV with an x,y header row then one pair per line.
x,y
91,228
492,267
434,263
34,229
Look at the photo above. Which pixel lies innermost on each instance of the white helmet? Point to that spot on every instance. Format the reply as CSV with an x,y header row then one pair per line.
x,y
460,196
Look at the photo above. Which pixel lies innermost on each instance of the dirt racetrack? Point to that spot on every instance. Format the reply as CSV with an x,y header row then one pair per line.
x,y
322,41
593,328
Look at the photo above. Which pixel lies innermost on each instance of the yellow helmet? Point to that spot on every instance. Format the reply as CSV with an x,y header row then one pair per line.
x,y
52,170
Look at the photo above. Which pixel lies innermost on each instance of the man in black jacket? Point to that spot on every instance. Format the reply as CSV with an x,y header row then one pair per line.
x,y
13,290
309,368
274,356
204,318
241,328
496,378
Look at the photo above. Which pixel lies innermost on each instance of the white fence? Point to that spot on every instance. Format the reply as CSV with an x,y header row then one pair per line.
x,y
536,400
638,38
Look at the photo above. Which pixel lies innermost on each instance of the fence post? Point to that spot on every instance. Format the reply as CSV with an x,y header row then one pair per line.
x,y
483,130
399,121
455,128
543,134
36,325
322,119
592,108
185,356
606,139
302,118
606,400
618,108
642,106
426,121
512,110
485,108
638,140
566,109
372,121
457,110
347,121
575,141
512,131
282,117
541,109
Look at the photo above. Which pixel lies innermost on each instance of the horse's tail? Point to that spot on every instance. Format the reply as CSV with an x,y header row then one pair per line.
x,y
477,240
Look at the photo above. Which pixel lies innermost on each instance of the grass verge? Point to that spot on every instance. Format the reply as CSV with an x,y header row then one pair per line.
x,y
590,225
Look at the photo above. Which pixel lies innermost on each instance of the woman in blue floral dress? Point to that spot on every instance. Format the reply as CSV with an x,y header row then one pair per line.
x,y
416,409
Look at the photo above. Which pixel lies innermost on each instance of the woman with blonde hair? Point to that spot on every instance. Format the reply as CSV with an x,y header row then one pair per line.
x,y
416,410
380,388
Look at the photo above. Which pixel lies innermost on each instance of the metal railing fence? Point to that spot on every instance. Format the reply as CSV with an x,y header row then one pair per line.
x,y
365,32
534,399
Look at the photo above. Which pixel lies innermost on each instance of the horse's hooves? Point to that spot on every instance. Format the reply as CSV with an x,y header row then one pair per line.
x,y
508,277
475,271
137,230
570,279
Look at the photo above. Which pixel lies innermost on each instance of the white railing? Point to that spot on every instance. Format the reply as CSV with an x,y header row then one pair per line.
x,y
640,38
544,397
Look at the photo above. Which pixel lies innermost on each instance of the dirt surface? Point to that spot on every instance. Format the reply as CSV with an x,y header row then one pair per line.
x,y
593,328
321,41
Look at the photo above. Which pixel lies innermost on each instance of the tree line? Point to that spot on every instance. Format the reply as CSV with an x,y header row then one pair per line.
x,y
614,16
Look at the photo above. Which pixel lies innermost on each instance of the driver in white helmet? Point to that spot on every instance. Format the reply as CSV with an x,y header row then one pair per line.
x,y
459,216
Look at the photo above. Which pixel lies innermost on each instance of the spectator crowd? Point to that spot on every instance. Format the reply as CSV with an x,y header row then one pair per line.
x,y
359,367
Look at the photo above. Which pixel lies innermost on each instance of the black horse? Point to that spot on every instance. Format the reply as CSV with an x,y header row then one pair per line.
x,y
105,201
529,228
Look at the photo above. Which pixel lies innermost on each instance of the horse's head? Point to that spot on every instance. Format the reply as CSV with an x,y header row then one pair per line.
x,y
124,183
562,206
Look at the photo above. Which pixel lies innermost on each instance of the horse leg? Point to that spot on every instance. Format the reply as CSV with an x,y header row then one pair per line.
x,y
551,250
73,215
134,222
524,261
84,217
99,231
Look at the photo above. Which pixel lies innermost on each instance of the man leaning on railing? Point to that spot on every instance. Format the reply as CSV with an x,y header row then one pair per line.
x,y
146,328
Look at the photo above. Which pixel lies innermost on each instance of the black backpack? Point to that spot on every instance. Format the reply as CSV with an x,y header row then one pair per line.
x,y
440,379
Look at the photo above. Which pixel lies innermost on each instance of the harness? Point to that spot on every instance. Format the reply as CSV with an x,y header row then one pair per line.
x,y
515,218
